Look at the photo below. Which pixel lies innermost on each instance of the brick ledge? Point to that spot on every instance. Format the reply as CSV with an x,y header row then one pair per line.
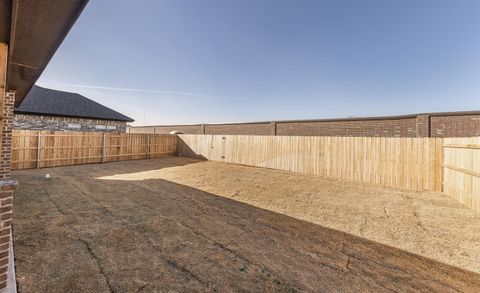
x,y
7,184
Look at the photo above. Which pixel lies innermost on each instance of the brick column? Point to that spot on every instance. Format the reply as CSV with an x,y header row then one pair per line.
x,y
7,186
273,125
423,125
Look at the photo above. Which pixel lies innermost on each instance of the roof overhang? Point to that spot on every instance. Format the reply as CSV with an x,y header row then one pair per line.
x,y
34,29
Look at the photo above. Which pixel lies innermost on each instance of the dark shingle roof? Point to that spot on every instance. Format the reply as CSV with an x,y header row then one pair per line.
x,y
42,101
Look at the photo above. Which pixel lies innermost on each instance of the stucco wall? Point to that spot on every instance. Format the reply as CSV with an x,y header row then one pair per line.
x,y
34,122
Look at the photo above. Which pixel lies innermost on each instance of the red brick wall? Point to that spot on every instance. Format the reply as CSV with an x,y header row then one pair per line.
x,y
455,126
190,129
7,128
388,128
263,128
140,129
240,129
7,186
421,125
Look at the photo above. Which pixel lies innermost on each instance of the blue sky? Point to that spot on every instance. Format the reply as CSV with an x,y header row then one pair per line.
x,y
191,61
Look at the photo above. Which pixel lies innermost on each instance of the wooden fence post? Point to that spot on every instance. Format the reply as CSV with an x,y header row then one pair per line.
x,y
147,153
103,148
38,150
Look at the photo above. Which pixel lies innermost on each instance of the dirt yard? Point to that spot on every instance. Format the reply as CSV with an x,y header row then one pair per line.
x,y
179,224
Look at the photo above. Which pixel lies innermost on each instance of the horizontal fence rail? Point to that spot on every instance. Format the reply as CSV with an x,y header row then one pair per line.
x,y
413,163
40,149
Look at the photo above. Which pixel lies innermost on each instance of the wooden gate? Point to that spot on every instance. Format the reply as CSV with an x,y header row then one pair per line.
x,y
461,166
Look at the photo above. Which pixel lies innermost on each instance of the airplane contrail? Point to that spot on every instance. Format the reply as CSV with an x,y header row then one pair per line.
x,y
174,93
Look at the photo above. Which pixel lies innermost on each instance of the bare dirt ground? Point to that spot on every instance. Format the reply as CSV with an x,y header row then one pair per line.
x,y
179,224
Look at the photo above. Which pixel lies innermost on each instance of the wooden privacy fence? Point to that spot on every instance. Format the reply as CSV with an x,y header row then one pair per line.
x,y
451,165
39,149
413,163
462,170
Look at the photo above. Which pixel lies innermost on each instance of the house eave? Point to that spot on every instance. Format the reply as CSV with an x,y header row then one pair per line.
x,y
37,28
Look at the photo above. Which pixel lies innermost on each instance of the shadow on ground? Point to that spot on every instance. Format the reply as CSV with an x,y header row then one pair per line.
x,y
75,233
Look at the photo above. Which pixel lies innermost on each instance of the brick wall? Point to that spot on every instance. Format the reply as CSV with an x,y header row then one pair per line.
x,y
385,128
264,128
422,125
7,186
454,124
7,122
190,129
38,122
141,129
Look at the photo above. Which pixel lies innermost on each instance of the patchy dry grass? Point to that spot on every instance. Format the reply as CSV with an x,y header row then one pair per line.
x,y
178,224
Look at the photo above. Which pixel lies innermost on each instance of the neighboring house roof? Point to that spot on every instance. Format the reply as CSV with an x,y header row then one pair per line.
x,y
43,101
